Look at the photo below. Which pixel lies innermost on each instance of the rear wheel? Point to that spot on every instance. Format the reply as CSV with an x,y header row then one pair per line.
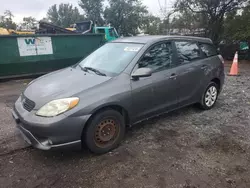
x,y
210,96
105,131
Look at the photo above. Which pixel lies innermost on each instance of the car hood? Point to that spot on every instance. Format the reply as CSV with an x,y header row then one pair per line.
x,y
61,84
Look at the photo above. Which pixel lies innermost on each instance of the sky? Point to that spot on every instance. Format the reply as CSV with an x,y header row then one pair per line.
x,y
38,8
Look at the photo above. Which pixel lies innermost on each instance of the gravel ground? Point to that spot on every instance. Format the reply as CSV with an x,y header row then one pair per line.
x,y
188,148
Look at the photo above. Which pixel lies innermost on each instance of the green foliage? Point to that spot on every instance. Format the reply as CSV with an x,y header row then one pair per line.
x,y
29,23
186,22
227,20
151,25
8,14
237,26
211,12
6,20
45,19
93,10
64,15
165,26
127,16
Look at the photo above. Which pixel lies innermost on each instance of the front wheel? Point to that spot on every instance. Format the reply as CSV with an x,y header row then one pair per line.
x,y
105,131
210,96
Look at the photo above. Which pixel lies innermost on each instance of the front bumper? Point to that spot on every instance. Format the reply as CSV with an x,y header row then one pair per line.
x,y
47,133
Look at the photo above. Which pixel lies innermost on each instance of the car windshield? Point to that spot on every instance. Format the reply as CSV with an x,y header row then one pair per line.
x,y
112,58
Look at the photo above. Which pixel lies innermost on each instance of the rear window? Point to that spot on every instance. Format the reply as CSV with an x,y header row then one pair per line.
x,y
187,51
208,50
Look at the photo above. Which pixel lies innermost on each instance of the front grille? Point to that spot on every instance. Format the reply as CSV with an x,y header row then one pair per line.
x,y
28,104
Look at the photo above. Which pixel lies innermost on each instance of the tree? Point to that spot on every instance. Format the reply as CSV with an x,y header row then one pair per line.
x,y
237,26
64,15
45,19
127,16
212,12
93,10
29,23
186,23
151,25
8,14
6,20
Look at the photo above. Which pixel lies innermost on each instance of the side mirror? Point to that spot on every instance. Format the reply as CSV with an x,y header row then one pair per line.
x,y
142,72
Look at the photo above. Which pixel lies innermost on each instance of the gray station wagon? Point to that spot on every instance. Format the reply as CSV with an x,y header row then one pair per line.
x,y
121,83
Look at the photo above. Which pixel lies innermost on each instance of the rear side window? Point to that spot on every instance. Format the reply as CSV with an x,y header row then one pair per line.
x,y
187,51
208,50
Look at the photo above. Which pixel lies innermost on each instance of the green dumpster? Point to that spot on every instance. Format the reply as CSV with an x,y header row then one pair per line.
x,y
39,54
244,46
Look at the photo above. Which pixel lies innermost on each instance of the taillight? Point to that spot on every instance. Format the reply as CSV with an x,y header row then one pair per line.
x,y
221,58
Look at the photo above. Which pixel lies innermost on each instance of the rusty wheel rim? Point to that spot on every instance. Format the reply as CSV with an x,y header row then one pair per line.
x,y
106,132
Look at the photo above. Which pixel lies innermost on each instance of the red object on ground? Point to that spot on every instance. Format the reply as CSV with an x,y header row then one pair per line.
x,y
234,68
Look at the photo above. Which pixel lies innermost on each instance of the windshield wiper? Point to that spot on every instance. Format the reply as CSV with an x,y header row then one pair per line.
x,y
94,70
83,68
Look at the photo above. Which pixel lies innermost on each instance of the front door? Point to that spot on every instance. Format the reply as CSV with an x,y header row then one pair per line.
x,y
142,94
157,93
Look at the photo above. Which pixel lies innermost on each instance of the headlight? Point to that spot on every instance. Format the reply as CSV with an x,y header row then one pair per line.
x,y
57,107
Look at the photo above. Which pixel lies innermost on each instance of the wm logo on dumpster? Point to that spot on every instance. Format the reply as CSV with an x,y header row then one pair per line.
x,y
30,46
34,41
30,41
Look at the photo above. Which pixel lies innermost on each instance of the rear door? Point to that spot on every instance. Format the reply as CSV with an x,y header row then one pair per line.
x,y
191,71
213,61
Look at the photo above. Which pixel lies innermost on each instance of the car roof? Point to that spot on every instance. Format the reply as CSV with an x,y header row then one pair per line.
x,y
156,38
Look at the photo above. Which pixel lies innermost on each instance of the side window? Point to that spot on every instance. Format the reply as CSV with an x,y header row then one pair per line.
x,y
187,51
111,33
157,58
208,50
100,31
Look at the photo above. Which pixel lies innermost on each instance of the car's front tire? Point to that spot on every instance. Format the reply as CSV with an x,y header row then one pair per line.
x,y
104,132
210,96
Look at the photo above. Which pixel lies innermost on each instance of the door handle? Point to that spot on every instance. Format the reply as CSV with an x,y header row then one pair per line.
x,y
173,76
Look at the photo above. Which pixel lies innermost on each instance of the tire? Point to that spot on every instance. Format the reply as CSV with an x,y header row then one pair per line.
x,y
104,132
204,104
